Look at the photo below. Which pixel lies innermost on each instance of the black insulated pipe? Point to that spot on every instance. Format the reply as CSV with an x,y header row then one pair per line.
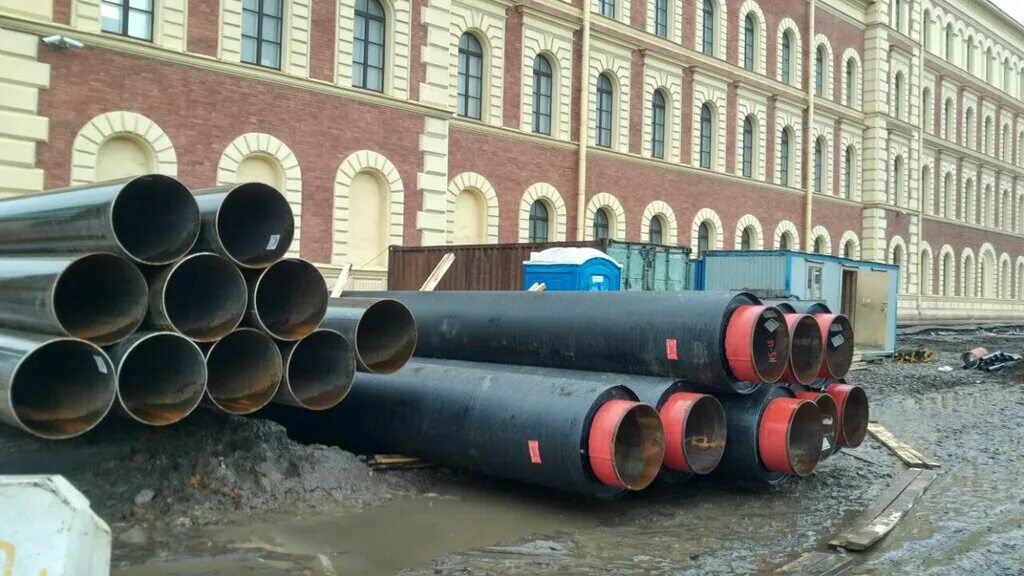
x,y
150,219
251,224
318,370
554,428
382,331
202,296
244,371
95,297
161,376
772,436
53,387
721,341
287,299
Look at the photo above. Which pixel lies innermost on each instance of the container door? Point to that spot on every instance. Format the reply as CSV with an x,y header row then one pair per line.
x,y
870,312
848,294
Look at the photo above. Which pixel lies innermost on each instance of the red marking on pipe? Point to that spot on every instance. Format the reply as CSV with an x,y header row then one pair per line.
x,y
601,441
738,347
673,414
534,447
670,349
773,436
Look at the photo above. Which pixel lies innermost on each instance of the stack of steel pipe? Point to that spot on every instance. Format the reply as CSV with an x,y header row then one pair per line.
x,y
142,297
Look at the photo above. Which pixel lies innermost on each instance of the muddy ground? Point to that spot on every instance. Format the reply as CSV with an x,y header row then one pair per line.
x,y
219,495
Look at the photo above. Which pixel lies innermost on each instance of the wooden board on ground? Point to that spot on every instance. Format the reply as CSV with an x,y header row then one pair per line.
x,y
816,564
396,462
903,451
879,519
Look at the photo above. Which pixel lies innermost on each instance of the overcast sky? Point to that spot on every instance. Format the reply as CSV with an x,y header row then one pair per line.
x,y
1014,8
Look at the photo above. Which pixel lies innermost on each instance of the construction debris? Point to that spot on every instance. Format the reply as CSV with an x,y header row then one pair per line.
x,y
903,451
878,520
914,356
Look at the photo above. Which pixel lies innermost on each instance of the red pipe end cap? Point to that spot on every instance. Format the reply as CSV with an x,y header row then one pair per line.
x,y
789,436
695,432
626,444
757,344
837,334
852,413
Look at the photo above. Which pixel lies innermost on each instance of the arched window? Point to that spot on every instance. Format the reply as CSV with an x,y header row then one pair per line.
x,y
368,234
471,77
819,155
708,43
658,124
970,54
538,221
746,239
654,231
542,87
368,46
1006,76
785,241
601,224
470,218
848,249
926,110
949,43
967,286
897,14
607,8
1005,148
897,259
661,18
897,180
749,42
988,65
969,212
784,156
947,196
945,288
926,25
747,164
261,29
947,128
819,71
1020,147
851,81
787,56
969,128
705,136
926,190
924,273
986,134
848,168
819,245
703,239
604,111
897,99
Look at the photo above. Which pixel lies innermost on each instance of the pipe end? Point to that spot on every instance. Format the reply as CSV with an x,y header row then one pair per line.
x,y
789,436
853,413
806,354
757,343
837,334
695,432
626,444
829,419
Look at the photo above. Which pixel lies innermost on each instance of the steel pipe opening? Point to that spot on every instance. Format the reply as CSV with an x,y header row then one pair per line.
x,y
161,377
244,370
829,419
806,356
288,300
626,444
383,331
155,219
789,436
60,388
757,344
253,225
203,296
318,370
100,298
837,333
695,432
852,408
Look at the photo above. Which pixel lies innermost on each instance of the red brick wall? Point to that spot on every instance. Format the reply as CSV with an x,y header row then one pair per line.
x,y
418,39
322,47
836,217
636,102
938,233
841,35
730,128
774,13
638,14
513,67
62,11
686,134
577,81
203,26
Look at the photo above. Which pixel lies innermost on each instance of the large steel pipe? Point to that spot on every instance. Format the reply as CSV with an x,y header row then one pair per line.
x,y
244,371
202,296
288,299
772,436
161,376
853,413
318,370
150,219
694,423
560,429
252,224
829,417
53,387
836,334
806,353
382,331
723,342
96,297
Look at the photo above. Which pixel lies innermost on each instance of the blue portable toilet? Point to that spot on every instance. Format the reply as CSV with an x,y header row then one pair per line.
x,y
573,269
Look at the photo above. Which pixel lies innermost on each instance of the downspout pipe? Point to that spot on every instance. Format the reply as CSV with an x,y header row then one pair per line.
x,y
809,141
584,132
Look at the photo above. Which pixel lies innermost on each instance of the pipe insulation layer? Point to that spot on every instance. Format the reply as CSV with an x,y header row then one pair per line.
x,y
694,423
772,436
837,333
288,299
829,417
95,297
811,307
244,371
720,341
318,370
150,219
562,429
251,224
53,387
852,408
806,353
382,331
202,296
161,376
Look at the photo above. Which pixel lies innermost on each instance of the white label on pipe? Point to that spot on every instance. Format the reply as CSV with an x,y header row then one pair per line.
x,y
274,239
771,325
837,340
825,445
100,363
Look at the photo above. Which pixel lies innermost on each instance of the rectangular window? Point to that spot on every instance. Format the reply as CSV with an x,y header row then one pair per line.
x,y
661,18
787,50
261,32
132,18
784,160
542,104
814,281
607,8
748,152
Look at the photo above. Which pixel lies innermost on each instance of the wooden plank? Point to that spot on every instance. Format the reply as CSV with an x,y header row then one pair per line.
x,y
438,273
896,487
816,564
884,523
341,280
908,455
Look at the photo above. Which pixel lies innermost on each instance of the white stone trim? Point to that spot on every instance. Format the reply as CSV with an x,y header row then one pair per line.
x,y
925,283
121,123
752,104
905,268
671,84
719,29
749,221
487,24
796,56
622,10
169,19
967,264
827,88
792,116
617,228
1004,277
946,286
21,78
674,16
716,240
659,208
760,37
363,161
849,236
712,90
261,144
555,43
556,211
397,30
987,254
473,181
821,232
294,35
615,62
432,182
782,228
1018,278
825,131
850,138
858,81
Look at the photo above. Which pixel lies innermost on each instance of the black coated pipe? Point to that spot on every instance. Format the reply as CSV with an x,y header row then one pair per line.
x,y
244,371
560,429
53,387
318,370
382,331
251,224
772,436
287,299
694,424
202,296
161,376
150,219
723,342
95,297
